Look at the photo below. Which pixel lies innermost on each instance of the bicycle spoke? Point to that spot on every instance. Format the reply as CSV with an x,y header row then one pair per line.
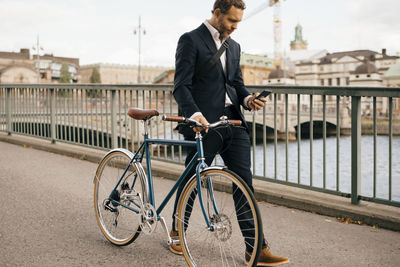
x,y
233,227
119,224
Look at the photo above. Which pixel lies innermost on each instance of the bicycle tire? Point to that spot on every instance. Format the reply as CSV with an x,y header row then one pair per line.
x,y
227,243
118,224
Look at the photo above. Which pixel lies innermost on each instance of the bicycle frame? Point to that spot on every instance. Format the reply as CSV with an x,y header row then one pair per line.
x,y
198,159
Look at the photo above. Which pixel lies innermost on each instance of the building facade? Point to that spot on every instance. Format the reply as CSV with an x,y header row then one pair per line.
x,y
120,73
21,67
255,68
50,67
392,79
17,67
335,69
167,77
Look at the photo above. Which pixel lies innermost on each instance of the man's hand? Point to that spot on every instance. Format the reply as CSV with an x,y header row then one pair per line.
x,y
203,121
256,104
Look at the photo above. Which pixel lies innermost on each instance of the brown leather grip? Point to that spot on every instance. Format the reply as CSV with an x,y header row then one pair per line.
x,y
173,118
235,122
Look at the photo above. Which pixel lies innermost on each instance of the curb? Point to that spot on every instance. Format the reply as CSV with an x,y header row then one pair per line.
x,y
369,213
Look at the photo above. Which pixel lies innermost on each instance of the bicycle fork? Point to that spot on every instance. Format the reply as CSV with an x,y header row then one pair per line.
x,y
200,167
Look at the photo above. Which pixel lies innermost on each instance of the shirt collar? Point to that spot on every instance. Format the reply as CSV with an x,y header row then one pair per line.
x,y
214,32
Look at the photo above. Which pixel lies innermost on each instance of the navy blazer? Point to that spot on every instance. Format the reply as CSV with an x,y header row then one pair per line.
x,y
207,93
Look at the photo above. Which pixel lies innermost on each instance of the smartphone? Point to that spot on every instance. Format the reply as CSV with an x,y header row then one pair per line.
x,y
263,94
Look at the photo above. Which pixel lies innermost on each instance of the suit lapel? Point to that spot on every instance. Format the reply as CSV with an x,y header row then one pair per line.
x,y
229,66
209,42
228,58
207,38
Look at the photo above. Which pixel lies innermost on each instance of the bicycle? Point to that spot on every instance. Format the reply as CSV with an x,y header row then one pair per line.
x,y
212,203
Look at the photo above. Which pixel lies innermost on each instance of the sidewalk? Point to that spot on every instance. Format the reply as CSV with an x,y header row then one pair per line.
x,y
325,204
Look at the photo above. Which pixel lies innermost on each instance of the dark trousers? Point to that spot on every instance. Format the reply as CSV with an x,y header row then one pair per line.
x,y
233,144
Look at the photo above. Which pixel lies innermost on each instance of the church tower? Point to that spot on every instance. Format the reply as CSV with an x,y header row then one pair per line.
x,y
298,43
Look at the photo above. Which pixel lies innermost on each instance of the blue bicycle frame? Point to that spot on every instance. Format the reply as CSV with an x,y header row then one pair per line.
x,y
201,165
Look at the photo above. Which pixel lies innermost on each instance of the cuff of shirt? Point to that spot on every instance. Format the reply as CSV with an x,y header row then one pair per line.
x,y
246,99
195,115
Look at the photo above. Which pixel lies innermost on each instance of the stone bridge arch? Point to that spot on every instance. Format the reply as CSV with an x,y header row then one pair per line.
x,y
317,129
270,130
331,122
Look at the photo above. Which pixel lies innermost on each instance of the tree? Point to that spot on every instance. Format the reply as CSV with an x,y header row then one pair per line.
x,y
65,75
95,78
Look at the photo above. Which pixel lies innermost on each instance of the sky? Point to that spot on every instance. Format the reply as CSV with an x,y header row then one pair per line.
x,y
102,30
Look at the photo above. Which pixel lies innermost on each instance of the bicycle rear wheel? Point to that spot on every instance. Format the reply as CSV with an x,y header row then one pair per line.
x,y
119,224
234,219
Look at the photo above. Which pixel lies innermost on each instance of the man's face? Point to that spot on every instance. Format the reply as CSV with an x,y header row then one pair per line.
x,y
227,23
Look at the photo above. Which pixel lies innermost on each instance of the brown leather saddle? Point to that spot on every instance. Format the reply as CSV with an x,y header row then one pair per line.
x,y
142,114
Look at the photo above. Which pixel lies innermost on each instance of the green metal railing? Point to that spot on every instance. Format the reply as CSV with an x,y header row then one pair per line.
x,y
95,116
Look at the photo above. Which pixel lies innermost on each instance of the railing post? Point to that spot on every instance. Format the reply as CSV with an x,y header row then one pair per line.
x,y
8,111
254,129
113,119
53,115
355,148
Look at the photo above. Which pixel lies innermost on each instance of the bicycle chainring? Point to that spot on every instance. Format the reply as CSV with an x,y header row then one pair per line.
x,y
148,219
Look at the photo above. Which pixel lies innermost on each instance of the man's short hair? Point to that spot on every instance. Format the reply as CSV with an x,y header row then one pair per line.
x,y
225,5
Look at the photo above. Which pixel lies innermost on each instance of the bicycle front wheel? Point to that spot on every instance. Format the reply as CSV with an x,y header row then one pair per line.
x,y
235,223
120,224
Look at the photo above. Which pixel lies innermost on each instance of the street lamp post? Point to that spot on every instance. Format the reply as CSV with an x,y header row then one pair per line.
x,y
37,49
139,30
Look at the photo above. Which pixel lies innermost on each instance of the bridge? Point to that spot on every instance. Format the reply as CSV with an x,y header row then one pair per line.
x,y
51,193
48,219
95,115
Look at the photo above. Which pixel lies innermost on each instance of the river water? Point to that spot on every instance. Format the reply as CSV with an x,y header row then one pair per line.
x,y
367,157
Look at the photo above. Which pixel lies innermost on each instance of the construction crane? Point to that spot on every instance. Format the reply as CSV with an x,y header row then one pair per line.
x,y
277,26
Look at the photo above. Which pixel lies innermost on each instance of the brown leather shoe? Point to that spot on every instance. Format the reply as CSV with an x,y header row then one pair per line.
x,y
175,247
267,258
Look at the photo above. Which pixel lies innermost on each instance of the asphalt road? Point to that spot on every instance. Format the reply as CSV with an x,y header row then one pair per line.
x,y
47,219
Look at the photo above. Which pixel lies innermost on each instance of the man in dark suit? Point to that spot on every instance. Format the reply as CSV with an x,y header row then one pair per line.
x,y
220,91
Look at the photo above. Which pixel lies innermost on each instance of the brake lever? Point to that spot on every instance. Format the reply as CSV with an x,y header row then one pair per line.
x,y
194,123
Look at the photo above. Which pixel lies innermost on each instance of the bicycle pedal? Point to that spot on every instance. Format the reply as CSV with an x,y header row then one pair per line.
x,y
174,242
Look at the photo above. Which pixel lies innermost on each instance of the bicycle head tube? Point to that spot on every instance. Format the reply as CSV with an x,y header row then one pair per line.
x,y
200,153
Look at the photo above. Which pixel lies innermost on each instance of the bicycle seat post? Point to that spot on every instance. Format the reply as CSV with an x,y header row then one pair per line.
x,y
146,129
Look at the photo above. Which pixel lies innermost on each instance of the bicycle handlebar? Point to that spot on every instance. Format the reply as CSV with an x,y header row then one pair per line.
x,y
173,118
222,121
